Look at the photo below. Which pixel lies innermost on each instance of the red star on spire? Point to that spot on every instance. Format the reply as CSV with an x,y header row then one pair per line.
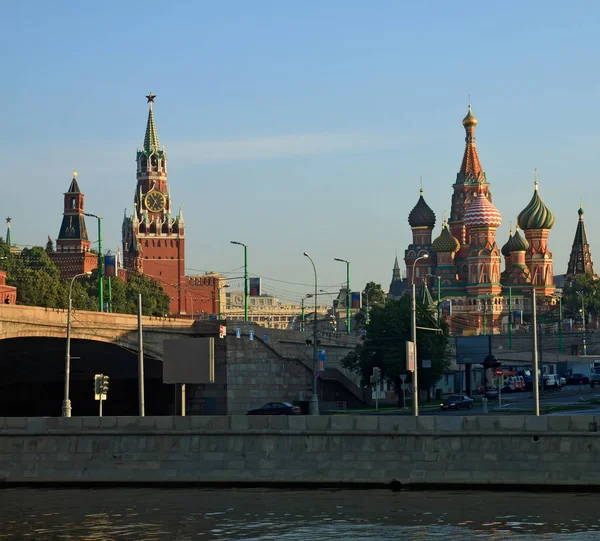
x,y
150,97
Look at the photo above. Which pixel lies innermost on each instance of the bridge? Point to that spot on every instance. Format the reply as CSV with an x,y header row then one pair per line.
x,y
272,365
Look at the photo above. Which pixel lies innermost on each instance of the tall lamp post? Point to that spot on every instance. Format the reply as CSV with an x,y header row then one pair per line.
x,y
413,309
66,405
558,295
100,262
536,376
348,328
580,293
245,277
314,400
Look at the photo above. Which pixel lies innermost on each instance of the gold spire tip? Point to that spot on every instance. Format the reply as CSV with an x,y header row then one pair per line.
x,y
74,174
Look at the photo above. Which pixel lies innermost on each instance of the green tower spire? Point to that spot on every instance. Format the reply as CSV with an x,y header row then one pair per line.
x,y
8,239
151,143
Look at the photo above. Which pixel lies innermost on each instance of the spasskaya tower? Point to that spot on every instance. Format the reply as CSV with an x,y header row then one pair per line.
x,y
153,237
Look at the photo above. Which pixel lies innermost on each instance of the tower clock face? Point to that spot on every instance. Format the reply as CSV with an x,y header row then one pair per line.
x,y
155,201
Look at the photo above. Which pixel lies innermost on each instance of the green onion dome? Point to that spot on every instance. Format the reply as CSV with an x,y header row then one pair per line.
x,y
505,251
445,242
421,215
517,243
536,215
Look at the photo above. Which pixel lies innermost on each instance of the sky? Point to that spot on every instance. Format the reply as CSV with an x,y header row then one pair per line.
x,y
299,126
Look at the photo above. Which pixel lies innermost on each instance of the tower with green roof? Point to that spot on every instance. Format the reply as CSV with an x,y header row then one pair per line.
x,y
580,261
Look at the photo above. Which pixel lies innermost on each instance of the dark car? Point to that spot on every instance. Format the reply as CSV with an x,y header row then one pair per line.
x,y
456,402
276,408
577,379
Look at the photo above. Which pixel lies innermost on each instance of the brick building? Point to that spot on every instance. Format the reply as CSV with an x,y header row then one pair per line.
x,y
153,237
73,254
8,294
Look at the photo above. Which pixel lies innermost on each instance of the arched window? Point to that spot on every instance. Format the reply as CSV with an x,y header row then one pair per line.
x,y
144,164
154,162
73,202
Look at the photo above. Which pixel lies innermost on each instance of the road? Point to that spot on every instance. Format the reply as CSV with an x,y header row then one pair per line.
x,y
513,403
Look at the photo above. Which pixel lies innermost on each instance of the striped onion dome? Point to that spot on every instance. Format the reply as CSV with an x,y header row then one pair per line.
x,y
536,215
445,242
517,243
421,215
482,213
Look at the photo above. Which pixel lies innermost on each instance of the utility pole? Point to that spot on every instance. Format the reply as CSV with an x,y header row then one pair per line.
x,y
100,263
413,309
439,299
581,293
66,405
560,324
302,317
536,377
314,400
245,277
348,299
140,358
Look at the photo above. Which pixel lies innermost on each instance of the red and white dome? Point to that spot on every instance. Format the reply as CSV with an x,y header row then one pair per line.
x,y
482,213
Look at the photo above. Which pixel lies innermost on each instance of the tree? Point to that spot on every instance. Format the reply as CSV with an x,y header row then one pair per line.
x,y
384,345
373,296
590,286
49,245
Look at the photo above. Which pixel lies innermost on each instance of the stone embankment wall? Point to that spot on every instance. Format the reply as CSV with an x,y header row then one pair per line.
x,y
509,450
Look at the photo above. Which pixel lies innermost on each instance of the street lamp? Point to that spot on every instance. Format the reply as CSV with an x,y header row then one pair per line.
x,y
66,405
314,400
536,380
558,295
100,262
347,292
580,293
245,277
413,307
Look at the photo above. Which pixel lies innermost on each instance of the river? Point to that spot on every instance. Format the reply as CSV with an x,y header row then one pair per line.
x,y
181,514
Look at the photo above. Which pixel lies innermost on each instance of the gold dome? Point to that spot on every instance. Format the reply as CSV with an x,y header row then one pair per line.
x,y
470,119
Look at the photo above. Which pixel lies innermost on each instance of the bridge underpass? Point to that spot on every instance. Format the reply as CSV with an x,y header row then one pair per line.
x,y
32,379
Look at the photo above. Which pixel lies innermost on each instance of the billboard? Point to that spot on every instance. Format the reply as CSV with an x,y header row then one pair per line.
x,y
446,307
110,265
355,300
473,349
254,284
189,360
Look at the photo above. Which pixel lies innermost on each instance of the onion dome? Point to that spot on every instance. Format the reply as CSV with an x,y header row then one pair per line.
x,y
505,249
445,242
580,211
517,243
470,119
482,213
536,215
421,215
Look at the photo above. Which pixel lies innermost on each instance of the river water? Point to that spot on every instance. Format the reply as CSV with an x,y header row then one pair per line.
x,y
179,514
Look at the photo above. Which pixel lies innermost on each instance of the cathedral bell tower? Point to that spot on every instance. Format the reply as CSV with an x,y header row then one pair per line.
x,y
153,238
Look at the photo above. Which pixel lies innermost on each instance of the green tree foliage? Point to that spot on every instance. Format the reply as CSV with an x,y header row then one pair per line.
x,y
384,345
590,286
373,296
38,284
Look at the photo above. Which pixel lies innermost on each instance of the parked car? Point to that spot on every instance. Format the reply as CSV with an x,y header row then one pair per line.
x,y
276,408
552,381
456,402
577,379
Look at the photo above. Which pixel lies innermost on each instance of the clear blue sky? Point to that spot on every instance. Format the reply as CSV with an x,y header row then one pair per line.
x,y
299,126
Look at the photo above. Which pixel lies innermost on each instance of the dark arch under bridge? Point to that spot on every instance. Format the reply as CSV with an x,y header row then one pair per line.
x,y
32,378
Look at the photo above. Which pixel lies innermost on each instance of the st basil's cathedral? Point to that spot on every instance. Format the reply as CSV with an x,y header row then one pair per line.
x,y
464,261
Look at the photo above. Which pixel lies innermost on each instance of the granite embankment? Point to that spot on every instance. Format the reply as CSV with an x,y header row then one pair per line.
x,y
435,450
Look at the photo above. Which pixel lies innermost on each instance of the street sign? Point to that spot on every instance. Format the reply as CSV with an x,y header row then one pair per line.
x,y
426,363
410,356
238,333
251,335
266,337
316,374
222,331
403,377
499,371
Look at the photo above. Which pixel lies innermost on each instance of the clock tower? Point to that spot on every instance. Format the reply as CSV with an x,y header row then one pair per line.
x,y
153,237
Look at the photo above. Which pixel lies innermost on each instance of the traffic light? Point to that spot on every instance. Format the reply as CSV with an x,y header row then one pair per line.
x,y
105,384
98,383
